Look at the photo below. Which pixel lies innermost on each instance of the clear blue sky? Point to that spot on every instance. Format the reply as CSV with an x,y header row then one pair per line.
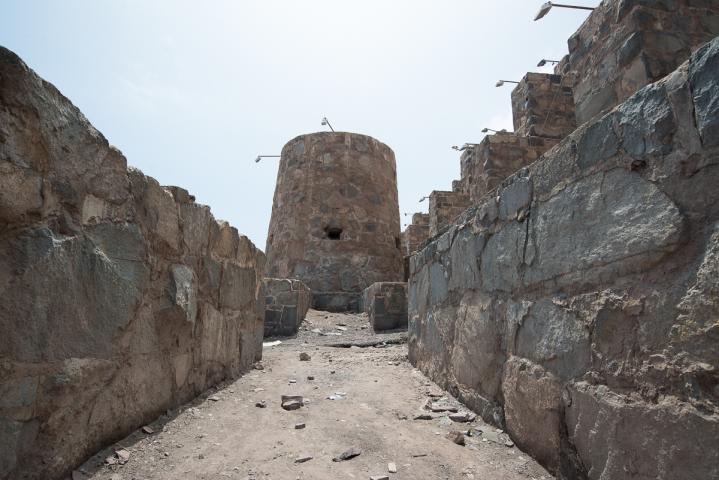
x,y
192,92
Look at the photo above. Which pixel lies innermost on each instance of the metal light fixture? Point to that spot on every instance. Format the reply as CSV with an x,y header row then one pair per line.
x,y
464,147
485,130
544,61
501,83
327,123
260,157
548,6
423,199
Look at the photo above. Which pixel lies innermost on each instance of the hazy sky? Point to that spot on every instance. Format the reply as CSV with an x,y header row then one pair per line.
x,y
192,92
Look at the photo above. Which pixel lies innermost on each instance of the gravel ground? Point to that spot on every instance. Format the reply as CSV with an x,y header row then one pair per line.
x,y
366,399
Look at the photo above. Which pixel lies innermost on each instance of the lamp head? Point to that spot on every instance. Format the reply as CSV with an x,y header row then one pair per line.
x,y
543,11
500,83
485,130
542,63
258,159
455,147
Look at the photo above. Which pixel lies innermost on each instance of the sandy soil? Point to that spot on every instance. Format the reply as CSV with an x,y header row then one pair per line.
x,y
223,434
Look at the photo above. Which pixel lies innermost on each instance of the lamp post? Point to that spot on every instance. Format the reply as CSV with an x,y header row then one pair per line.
x,y
260,157
485,130
464,147
544,61
327,122
548,6
501,83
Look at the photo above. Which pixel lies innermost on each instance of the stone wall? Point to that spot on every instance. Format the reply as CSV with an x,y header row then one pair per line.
x,y
543,106
578,305
385,303
120,298
415,233
335,217
627,44
497,156
444,207
286,304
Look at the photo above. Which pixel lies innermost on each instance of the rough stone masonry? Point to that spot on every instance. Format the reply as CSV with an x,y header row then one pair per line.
x,y
120,298
577,305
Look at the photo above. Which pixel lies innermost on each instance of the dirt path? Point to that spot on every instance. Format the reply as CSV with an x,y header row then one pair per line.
x,y
377,395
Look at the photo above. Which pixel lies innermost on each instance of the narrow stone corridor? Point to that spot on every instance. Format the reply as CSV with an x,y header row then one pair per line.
x,y
369,399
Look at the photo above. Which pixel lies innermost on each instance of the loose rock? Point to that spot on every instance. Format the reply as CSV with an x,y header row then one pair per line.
x,y
348,454
148,430
261,404
456,437
299,426
303,458
392,467
123,456
305,357
292,402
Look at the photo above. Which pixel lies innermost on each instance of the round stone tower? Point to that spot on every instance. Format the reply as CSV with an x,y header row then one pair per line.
x,y
335,217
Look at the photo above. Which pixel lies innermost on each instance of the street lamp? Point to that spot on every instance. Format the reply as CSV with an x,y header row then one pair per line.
x,y
544,61
485,130
423,199
327,122
464,147
548,6
260,157
502,82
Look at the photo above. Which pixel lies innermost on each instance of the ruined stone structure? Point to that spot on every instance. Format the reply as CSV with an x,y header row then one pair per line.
x,y
543,106
627,44
576,304
385,303
444,207
120,298
335,217
415,233
497,156
286,304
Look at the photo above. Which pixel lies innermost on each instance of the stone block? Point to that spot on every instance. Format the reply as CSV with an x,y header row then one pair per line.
x,y
385,303
286,304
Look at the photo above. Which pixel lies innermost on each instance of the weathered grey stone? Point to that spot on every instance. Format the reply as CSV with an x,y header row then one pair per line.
x,y
114,309
704,77
515,197
531,406
554,338
590,227
619,437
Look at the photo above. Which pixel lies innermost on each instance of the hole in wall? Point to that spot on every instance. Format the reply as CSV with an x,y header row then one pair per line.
x,y
397,243
334,233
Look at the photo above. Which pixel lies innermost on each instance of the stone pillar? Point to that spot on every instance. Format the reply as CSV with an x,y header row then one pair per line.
x,y
444,207
543,106
335,217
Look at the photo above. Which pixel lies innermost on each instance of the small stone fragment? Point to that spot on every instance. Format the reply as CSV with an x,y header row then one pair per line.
x,y
456,437
509,443
148,430
348,454
299,426
423,416
305,357
258,366
303,458
417,455
434,392
261,404
392,467
122,456
214,398
310,377
462,417
379,477
292,402
442,407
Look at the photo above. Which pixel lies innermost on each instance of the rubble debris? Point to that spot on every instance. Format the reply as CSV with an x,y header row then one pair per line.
x,y
462,417
305,357
292,402
392,467
348,454
303,458
148,430
123,456
456,437
261,404
299,426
